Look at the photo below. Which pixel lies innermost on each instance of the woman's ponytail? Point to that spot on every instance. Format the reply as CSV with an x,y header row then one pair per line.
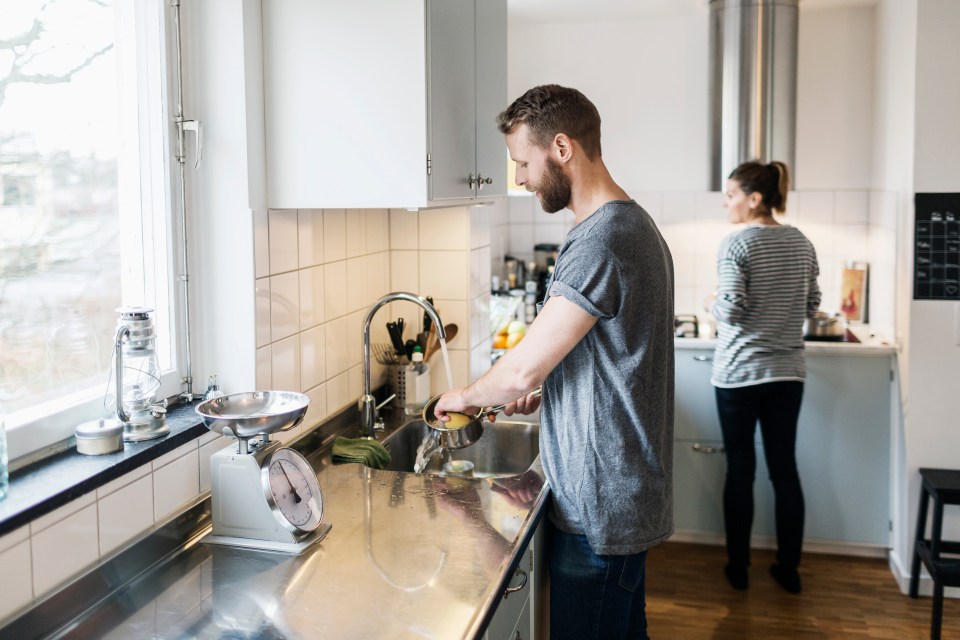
x,y
772,181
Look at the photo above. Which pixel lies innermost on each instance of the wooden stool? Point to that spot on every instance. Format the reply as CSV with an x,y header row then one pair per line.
x,y
943,485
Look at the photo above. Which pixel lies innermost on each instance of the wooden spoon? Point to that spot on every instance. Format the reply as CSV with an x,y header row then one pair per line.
x,y
434,344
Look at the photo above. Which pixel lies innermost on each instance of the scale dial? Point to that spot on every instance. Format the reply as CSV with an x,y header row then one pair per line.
x,y
292,491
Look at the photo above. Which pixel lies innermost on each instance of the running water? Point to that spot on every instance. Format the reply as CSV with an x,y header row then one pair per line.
x,y
446,363
431,441
429,446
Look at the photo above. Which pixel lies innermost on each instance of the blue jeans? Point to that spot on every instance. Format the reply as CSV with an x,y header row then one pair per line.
x,y
591,596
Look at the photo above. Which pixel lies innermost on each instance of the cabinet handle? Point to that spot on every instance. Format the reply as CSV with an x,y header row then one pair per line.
x,y
523,583
703,358
479,180
699,448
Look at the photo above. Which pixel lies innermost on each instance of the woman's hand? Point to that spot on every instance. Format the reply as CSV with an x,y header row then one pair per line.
x,y
708,301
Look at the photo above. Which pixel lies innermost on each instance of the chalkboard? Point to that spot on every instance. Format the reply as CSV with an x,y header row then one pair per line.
x,y
936,247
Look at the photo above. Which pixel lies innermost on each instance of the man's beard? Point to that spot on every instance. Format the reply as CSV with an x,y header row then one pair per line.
x,y
554,188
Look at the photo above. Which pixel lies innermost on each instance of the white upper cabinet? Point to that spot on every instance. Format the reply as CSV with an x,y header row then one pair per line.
x,y
383,103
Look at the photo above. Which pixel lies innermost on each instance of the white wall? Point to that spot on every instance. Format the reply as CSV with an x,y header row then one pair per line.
x,y
649,81
835,98
893,170
932,358
648,77
223,90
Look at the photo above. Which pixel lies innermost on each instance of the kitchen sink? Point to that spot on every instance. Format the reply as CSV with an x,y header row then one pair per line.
x,y
506,448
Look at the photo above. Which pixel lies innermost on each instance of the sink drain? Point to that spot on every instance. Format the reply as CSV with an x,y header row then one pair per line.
x,y
458,467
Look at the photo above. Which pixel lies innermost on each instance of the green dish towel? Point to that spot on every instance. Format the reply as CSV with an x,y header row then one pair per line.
x,y
361,450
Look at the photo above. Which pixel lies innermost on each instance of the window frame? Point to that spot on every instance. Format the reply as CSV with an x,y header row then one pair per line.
x,y
148,275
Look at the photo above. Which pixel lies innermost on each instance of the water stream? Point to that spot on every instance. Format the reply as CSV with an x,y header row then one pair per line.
x,y
446,363
431,442
429,446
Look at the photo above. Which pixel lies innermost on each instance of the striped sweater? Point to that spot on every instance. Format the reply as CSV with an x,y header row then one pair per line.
x,y
767,286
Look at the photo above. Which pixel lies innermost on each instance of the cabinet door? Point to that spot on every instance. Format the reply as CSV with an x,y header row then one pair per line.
x,y
699,469
452,98
345,114
843,448
512,608
491,94
695,416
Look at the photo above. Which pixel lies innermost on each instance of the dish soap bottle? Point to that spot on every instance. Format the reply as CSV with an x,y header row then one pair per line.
x,y
213,389
417,383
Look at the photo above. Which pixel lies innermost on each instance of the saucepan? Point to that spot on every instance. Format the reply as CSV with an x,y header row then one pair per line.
x,y
825,326
462,429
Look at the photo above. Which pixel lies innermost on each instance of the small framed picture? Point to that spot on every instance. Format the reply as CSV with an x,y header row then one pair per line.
x,y
853,291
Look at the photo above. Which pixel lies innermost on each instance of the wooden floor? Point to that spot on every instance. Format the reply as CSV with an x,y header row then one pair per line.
x,y
688,598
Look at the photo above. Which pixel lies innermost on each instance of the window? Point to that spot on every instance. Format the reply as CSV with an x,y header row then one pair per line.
x,y
85,223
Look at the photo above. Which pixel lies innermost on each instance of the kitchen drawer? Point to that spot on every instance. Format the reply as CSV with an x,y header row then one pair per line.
x,y
513,611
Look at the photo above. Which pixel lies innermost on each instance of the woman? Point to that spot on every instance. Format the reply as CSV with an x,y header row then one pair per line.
x,y
767,275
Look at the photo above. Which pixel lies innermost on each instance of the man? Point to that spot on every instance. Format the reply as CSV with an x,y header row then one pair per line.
x,y
602,347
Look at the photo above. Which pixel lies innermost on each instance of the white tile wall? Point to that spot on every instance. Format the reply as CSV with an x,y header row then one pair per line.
x,y
843,225
283,241
125,513
61,551
176,480
55,548
309,237
16,588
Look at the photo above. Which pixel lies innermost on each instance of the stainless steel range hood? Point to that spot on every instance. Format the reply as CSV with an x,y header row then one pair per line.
x,y
753,84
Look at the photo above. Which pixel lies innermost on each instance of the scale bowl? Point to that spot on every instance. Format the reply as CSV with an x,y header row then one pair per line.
x,y
247,414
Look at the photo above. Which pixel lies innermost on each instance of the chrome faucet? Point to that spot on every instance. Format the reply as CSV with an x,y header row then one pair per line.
x,y
367,404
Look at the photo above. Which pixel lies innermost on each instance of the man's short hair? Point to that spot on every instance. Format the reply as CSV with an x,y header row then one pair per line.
x,y
551,109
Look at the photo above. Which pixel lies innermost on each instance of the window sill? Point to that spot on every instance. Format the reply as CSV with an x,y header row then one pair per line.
x,y
43,486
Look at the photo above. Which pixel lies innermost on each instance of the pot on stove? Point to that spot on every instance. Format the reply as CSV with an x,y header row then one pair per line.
x,y
825,326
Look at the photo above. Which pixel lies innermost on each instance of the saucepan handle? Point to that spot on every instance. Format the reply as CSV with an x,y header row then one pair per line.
x,y
533,394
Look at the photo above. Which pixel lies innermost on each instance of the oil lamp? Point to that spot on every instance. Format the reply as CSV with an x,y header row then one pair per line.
x,y
138,376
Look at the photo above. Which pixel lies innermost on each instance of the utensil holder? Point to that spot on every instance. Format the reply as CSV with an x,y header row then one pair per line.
x,y
397,383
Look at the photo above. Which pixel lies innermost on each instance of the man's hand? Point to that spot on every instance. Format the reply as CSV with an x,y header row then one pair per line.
x,y
526,404
520,491
453,400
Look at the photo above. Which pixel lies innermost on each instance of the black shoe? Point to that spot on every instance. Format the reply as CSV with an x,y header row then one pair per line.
x,y
789,579
737,577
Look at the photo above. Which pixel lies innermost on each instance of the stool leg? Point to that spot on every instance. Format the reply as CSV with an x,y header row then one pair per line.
x,y
936,528
918,540
937,615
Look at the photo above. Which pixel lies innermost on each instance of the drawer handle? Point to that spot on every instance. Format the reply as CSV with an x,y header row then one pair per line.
x,y
699,448
703,358
523,583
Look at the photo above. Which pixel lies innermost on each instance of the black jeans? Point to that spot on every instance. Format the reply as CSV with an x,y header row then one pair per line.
x,y
776,405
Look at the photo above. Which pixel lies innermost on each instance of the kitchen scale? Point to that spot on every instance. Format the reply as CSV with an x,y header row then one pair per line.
x,y
265,496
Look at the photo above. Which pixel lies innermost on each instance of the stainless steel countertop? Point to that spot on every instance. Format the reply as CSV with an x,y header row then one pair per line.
x,y
408,556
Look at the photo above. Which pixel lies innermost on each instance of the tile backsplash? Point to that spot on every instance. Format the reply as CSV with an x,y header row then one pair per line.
x,y
319,271
53,549
842,225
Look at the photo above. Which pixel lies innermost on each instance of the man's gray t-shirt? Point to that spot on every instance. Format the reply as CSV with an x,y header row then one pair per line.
x,y
606,443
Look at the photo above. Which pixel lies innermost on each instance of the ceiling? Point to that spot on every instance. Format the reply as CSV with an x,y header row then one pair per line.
x,y
544,11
